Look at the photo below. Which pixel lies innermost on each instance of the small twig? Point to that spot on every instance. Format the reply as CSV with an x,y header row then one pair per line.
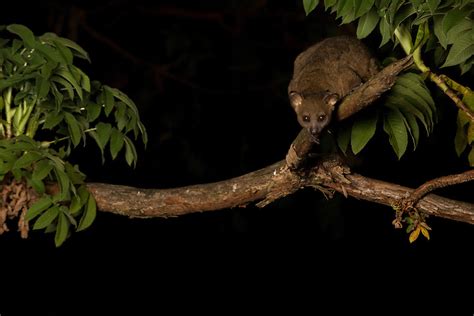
x,y
441,182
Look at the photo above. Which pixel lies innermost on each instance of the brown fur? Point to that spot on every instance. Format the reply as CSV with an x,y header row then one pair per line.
x,y
325,73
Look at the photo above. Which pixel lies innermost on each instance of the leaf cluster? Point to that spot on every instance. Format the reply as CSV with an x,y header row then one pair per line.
x,y
449,23
407,107
49,106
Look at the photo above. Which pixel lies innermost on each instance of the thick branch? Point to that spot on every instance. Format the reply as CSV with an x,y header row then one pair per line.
x,y
239,191
267,184
353,103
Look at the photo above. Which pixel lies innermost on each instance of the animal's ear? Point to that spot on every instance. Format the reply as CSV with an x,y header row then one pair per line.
x,y
331,99
296,99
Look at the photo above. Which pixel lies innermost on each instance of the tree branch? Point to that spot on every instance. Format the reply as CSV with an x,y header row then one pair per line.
x,y
434,184
266,185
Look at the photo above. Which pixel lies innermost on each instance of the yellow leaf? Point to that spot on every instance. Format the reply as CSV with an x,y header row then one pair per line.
x,y
425,232
414,234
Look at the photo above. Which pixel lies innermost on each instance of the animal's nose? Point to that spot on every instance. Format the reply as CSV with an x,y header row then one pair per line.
x,y
314,131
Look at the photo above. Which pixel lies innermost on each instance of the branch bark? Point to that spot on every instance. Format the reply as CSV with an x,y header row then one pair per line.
x,y
282,178
266,185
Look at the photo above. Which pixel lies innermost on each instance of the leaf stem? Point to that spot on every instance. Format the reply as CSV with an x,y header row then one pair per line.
x,y
46,144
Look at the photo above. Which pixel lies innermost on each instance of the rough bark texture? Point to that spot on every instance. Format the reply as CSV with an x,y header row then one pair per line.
x,y
266,185
282,178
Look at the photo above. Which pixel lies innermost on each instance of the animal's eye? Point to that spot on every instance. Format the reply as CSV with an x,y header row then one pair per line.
x,y
321,117
306,118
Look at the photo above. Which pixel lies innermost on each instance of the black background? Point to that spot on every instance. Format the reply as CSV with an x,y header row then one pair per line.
x,y
210,78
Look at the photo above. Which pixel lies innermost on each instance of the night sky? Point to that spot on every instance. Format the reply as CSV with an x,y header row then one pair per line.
x,y
210,80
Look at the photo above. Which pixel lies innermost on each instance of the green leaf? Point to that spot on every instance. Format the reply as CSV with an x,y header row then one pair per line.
x,y
438,30
64,184
362,131
130,152
142,129
43,86
403,13
24,33
89,214
329,3
470,157
64,51
67,86
62,230
367,24
343,137
66,74
53,119
433,5
406,106
415,83
109,101
116,142
457,30
74,174
74,128
122,97
38,207
121,116
453,17
461,50
95,136
37,185
103,132
93,111
50,53
394,126
408,101
345,8
85,81
362,7
27,159
78,50
386,31
309,5
413,128
42,169
460,140
470,133
79,200
47,218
